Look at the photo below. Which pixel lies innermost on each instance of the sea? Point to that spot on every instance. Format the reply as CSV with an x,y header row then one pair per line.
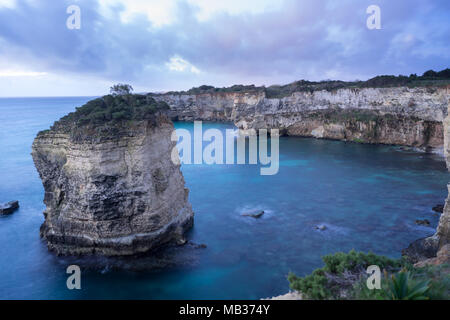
x,y
367,197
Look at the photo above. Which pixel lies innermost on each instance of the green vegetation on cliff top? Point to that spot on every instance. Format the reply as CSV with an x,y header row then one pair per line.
x,y
429,78
120,105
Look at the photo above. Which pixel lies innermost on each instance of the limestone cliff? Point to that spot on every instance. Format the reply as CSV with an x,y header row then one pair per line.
x,y
399,115
111,189
443,230
435,249
439,244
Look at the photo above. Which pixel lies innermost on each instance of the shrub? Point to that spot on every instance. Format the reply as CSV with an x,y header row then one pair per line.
x,y
340,273
439,280
429,78
402,287
408,284
113,108
314,286
344,277
121,89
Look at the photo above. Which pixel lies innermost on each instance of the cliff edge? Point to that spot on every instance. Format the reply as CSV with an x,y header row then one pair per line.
x,y
435,249
395,115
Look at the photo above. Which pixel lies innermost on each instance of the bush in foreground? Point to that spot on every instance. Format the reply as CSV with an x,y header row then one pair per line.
x,y
344,277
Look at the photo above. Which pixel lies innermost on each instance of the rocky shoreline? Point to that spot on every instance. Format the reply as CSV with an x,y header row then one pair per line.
x,y
435,248
399,115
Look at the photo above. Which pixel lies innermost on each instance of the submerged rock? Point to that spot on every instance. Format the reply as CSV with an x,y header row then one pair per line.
x,y
196,245
111,189
169,256
256,215
439,208
9,207
424,222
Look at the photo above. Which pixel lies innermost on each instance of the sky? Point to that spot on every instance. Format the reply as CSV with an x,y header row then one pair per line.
x,y
179,44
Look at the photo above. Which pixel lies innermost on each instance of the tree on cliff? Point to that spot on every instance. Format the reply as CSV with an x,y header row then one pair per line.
x,y
121,89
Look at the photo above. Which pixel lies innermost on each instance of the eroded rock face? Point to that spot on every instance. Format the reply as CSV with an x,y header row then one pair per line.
x,y
421,249
442,256
402,116
114,193
438,244
443,229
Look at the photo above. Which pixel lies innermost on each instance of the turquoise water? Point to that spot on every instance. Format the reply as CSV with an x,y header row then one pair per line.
x,y
367,196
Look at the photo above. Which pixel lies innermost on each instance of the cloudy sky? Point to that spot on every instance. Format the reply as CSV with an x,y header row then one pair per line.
x,y
177,44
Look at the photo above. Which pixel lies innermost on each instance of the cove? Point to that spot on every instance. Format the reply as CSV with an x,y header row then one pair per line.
x,y
213,153
368,197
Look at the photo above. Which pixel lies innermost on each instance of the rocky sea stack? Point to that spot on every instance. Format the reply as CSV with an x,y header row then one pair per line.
x,y
111,187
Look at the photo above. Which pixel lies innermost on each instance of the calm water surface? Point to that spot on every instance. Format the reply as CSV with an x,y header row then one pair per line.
x,y
367,196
